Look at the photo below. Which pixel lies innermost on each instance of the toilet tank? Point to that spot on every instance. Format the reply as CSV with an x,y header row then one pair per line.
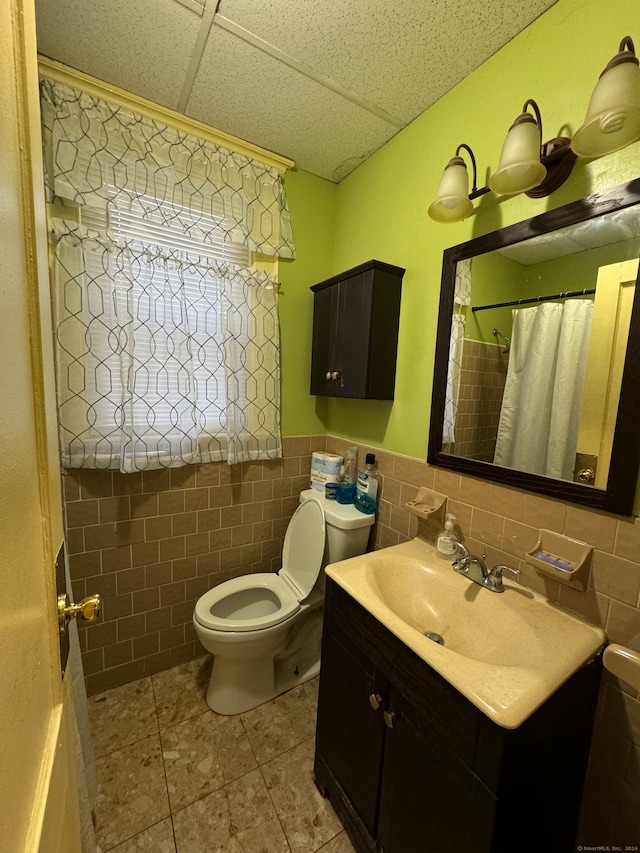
x,y
347,529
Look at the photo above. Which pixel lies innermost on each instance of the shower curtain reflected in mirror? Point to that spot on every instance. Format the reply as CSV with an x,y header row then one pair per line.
x,y
540,415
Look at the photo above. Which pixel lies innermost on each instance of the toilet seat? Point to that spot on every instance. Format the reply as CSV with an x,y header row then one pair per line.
x,y
252,602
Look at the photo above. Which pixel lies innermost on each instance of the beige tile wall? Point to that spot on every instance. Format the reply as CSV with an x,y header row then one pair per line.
x,y
483,373
503,523
152,543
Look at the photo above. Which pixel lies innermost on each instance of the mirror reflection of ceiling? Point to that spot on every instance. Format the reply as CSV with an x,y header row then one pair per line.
x,y
588,258
615,227
272,72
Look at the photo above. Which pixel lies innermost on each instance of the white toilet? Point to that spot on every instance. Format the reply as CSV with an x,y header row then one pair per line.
x,y
265,629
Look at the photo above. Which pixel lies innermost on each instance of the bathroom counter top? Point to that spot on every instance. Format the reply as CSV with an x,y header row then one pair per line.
x,y
505,652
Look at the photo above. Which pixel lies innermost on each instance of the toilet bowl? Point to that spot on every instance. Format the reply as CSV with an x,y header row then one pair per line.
x,y
265,629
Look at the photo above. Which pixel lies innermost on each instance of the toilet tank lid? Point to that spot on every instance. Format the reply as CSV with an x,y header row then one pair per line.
x,y
344,516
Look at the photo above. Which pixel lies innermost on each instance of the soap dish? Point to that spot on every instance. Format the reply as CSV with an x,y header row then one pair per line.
x,y
426,503
564,559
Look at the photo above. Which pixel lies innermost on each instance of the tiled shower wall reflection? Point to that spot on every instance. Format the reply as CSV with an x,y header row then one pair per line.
x,y
153,544
483,375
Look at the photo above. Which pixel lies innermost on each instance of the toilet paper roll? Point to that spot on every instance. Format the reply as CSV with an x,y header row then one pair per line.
x,y
325,468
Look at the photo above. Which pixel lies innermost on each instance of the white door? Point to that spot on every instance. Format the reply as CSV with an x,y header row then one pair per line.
x,y
38,792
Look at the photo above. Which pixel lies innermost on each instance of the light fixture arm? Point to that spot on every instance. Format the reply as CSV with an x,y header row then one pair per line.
x,y
626,53
475,192
627,44
555,155
536,109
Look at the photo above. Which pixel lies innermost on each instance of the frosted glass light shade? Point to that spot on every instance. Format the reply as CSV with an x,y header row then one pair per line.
x,y
613,115
519,168
452,202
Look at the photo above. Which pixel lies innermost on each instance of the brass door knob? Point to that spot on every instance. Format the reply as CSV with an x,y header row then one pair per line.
x,y
87,609
586,475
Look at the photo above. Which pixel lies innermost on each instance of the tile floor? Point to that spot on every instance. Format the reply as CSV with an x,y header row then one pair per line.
x,y
174,777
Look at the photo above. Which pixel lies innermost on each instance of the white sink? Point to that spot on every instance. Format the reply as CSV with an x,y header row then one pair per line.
x,y
506,652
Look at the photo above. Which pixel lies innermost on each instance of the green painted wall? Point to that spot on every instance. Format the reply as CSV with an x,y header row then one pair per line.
x,y
498,279
577,272
495,279
312,207
381,208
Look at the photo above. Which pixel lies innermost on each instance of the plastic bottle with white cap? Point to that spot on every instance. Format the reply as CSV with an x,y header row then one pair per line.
x,y
447,541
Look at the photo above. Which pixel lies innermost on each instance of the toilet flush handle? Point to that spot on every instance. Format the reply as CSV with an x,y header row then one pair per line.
x,y
87,609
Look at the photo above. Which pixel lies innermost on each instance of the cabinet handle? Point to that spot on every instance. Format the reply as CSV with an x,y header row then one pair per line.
x,y
328,375
335,374
388,718
375,700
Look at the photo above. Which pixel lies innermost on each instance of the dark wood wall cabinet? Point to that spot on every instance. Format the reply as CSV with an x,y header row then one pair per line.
x,y
411,766
355,332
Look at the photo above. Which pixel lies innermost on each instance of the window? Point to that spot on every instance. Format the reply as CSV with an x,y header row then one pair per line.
x,y
168,342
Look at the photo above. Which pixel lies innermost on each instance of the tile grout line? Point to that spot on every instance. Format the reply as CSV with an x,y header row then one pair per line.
x,y
260,766
164,769
131,743
273,806
259,769
126,746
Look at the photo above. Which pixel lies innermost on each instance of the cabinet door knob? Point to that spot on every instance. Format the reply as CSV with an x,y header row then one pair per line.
x,y
388,718
335,374
375,700
328,375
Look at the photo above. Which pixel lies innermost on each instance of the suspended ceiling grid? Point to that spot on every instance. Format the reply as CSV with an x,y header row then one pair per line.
x,y
323,82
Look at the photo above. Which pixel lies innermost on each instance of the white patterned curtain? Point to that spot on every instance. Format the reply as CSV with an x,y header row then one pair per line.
x,y
168,342
456,342
462,289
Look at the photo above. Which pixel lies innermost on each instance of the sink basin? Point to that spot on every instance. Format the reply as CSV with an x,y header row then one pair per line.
x,y
431,600
506,652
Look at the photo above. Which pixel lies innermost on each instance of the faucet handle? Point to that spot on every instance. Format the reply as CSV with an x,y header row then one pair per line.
x,y
494,579
514,572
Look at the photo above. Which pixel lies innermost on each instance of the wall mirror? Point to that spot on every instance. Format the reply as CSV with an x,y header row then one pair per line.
x,y
537,369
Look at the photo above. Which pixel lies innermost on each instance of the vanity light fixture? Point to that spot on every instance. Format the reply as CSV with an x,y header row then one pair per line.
x,y
613,115
527,165
453,202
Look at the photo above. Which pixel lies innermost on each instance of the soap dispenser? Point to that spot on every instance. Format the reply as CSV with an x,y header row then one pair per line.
x,y
447,541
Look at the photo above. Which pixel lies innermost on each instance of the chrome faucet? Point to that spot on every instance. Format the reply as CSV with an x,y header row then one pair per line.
x,y
475,568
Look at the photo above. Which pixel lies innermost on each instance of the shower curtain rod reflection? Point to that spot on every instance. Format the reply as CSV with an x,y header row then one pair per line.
x,y
566,295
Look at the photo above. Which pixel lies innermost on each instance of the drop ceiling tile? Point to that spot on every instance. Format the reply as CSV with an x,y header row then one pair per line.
x,y
401,56
246,92
143,46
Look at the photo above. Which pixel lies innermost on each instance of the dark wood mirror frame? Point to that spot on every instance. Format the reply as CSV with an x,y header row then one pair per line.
x,y
625,458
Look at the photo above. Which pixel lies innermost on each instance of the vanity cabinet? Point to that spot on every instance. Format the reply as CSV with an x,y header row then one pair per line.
x,y
411,766
355,332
